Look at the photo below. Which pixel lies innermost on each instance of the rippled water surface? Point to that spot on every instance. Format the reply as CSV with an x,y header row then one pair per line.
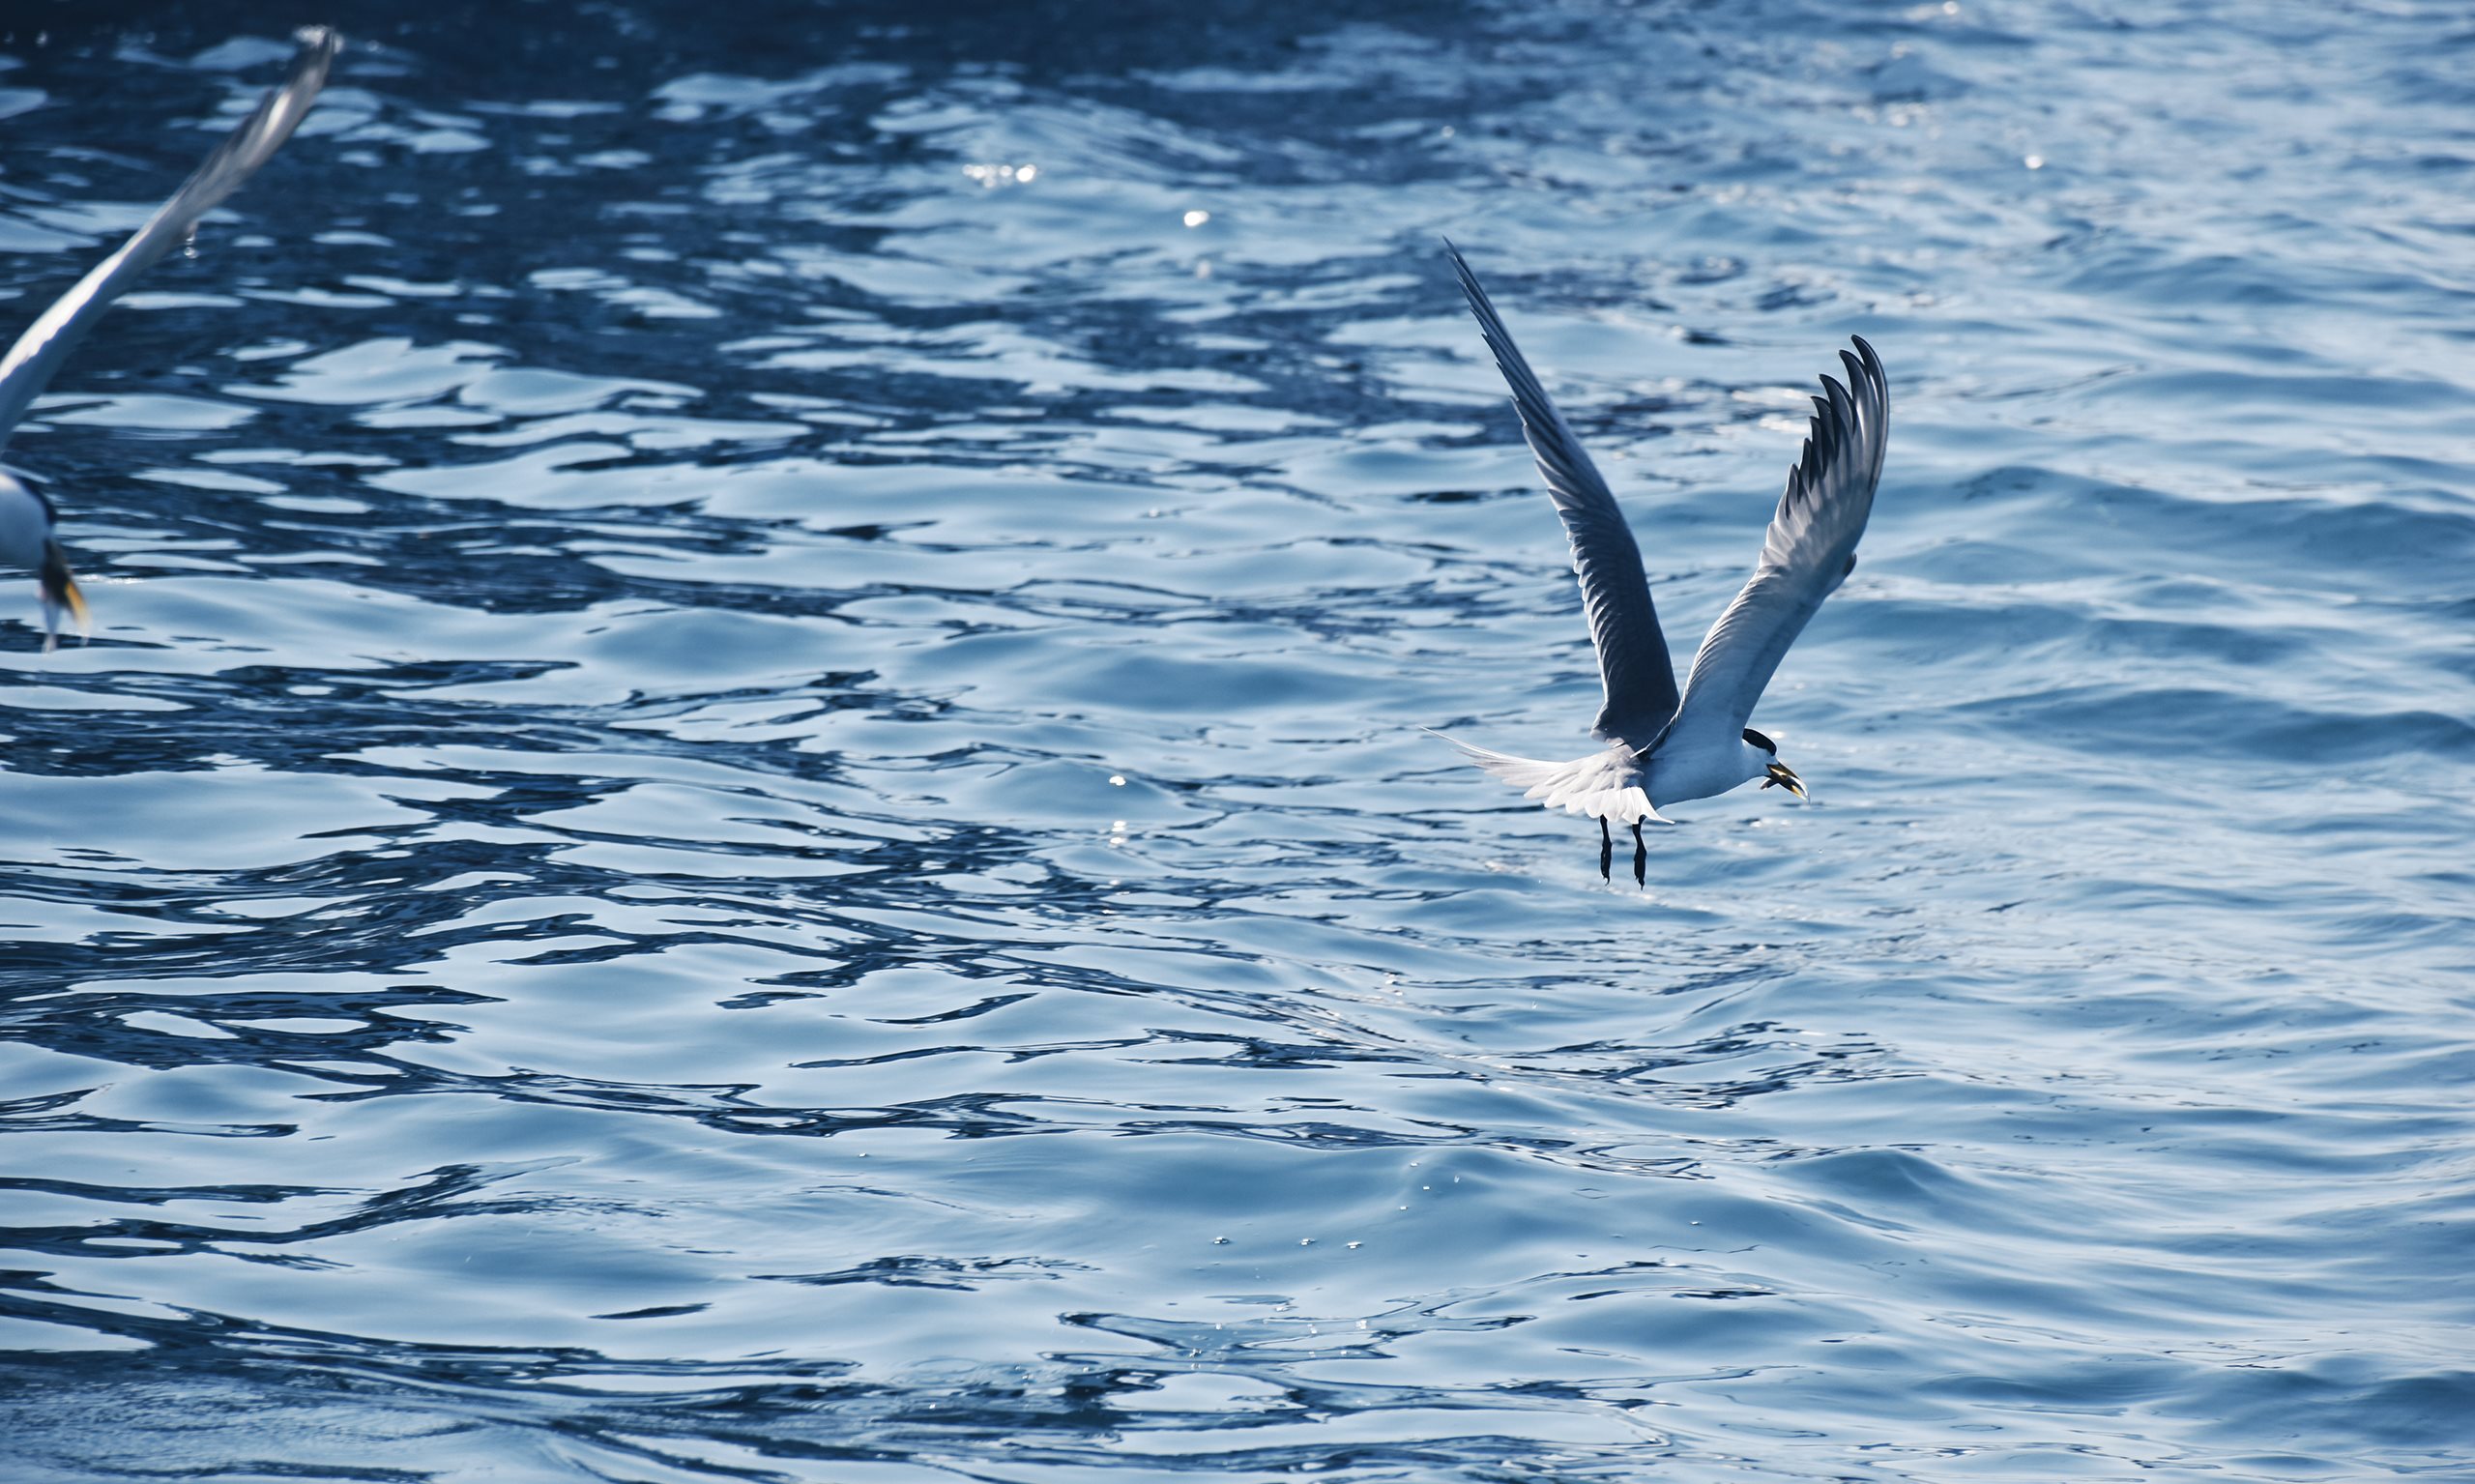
x,y
748,801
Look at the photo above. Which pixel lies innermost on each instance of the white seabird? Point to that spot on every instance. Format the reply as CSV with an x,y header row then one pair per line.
x,y
26,516
1663,748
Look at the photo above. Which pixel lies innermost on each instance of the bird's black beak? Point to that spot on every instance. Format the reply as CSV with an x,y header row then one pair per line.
x,y
60,592
1785,777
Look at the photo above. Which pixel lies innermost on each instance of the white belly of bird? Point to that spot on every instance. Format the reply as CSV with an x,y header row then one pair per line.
x,y
1696,774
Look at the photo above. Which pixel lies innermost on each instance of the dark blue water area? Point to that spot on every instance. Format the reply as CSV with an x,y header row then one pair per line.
x,y
748,802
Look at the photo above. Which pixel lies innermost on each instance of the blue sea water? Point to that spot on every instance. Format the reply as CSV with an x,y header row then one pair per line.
x,y
748,802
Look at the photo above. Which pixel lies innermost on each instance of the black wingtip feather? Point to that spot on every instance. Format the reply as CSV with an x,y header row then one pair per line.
x,y
1842,406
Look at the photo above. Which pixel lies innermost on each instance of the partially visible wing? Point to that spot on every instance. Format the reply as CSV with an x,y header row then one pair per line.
x,y
1810,550
37,354
1632,662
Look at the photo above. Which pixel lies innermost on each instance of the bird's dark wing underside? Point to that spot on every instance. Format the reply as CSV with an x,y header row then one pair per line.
x,y
1633,663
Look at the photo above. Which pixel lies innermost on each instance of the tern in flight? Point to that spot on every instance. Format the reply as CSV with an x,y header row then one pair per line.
x,y
26,516
1663,748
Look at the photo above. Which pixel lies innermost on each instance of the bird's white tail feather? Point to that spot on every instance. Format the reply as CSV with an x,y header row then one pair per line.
x,y
1598,786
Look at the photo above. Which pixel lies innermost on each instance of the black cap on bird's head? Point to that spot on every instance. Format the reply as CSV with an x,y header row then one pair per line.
x,y
60,594
26,523
1777,772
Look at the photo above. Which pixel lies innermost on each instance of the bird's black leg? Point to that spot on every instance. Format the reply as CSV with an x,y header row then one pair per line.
x,y
1605,851
1641,855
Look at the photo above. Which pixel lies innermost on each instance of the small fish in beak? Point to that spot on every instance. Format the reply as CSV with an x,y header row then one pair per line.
x,y
60,592
1785,776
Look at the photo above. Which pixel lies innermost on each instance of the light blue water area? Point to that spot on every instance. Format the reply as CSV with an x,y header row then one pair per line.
x,y
748,802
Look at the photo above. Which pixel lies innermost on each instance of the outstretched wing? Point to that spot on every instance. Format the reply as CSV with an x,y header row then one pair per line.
x,y
1810,550
37,354
1632,662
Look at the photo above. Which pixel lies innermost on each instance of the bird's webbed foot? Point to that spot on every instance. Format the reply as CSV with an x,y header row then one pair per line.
x,y
1641,856
1605,851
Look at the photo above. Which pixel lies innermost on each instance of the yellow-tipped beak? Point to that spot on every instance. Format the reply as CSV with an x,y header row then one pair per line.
x,y
60,591
1786,778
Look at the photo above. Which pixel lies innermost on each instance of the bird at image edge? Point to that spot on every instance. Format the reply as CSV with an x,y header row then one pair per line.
x,y
1664,746
26,516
